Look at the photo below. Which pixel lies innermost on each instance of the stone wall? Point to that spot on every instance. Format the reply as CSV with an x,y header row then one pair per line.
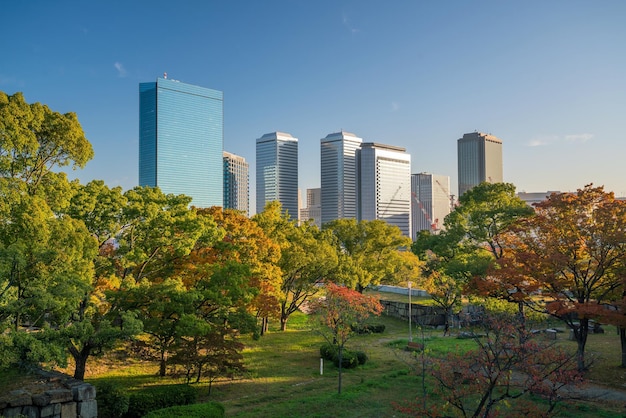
x,y
51,395
420,314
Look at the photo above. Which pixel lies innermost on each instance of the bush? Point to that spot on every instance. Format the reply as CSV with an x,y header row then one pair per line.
x,y
112,400
349,360
201,410
361,357
158,397
328,351
369,329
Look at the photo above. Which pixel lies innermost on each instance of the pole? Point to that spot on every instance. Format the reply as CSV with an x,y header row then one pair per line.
x,y
410,331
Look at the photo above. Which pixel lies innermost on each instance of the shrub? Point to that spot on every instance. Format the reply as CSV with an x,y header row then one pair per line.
x,y
201,410
369,329
328,351
112,400
361,357
159,397
349,360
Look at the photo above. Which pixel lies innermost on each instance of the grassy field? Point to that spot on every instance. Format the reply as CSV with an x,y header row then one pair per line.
x,y
284,377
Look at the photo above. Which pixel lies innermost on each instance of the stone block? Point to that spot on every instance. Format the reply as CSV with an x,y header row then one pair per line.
x,y
31,411
60,395
88,409
20,398
41,399
84,392
51,411
12,412
68,410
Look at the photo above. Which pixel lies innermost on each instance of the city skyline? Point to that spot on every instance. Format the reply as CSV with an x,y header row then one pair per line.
x,y
545,77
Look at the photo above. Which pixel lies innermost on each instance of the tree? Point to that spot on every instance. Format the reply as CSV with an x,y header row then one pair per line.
x,y
574,248
46,257
246,242
478,223
371,252
34,141
448,268
340,312
307,257
95,326
508,365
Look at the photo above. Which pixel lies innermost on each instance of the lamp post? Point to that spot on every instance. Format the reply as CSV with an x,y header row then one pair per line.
x,y
410,331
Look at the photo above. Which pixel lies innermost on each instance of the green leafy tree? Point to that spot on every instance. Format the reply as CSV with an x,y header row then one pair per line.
x,y
46,257
371,253
307,256
478,223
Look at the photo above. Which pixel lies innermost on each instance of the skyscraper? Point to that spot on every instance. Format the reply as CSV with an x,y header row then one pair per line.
x,y
236,183
181,139
385,185
313,210
339,176
479,159
431,202
277,172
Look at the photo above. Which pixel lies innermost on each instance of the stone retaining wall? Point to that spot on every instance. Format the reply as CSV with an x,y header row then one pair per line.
x,y
54,395
420,314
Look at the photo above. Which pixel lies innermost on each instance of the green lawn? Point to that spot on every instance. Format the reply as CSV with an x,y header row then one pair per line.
x,y
284,379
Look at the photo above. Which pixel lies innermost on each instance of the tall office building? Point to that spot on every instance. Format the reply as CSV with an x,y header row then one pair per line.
x,y
339,176
430,203
236,183
277,172
479,160
313,210
181,139
385,185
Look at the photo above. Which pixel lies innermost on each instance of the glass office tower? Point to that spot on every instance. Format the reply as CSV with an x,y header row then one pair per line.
x,y
385,185
431,202
181,140
339,176
277,172
479,160
236,183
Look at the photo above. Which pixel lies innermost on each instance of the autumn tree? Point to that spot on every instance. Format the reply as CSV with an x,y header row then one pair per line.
x,y
341,311
574,248
307,257
371,253
245,242
508,365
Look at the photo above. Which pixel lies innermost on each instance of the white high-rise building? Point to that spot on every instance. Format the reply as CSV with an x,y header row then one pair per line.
x,y
431,202
479,159
313,210
277,172
385,185
236,183
339,176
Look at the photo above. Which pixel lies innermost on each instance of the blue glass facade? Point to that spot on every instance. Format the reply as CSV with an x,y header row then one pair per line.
x,y
181,140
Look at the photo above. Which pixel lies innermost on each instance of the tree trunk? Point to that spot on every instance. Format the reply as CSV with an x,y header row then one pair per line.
x,y
283,322
163,363
340,355
580,334
80,358
622,338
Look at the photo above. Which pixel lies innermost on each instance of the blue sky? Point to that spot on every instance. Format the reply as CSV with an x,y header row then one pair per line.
x,y
547,77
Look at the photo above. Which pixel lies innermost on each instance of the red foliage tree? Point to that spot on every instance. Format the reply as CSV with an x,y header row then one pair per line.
x,y
341,311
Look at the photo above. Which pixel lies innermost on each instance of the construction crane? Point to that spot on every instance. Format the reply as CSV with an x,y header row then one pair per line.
x,y
433,225
447,193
